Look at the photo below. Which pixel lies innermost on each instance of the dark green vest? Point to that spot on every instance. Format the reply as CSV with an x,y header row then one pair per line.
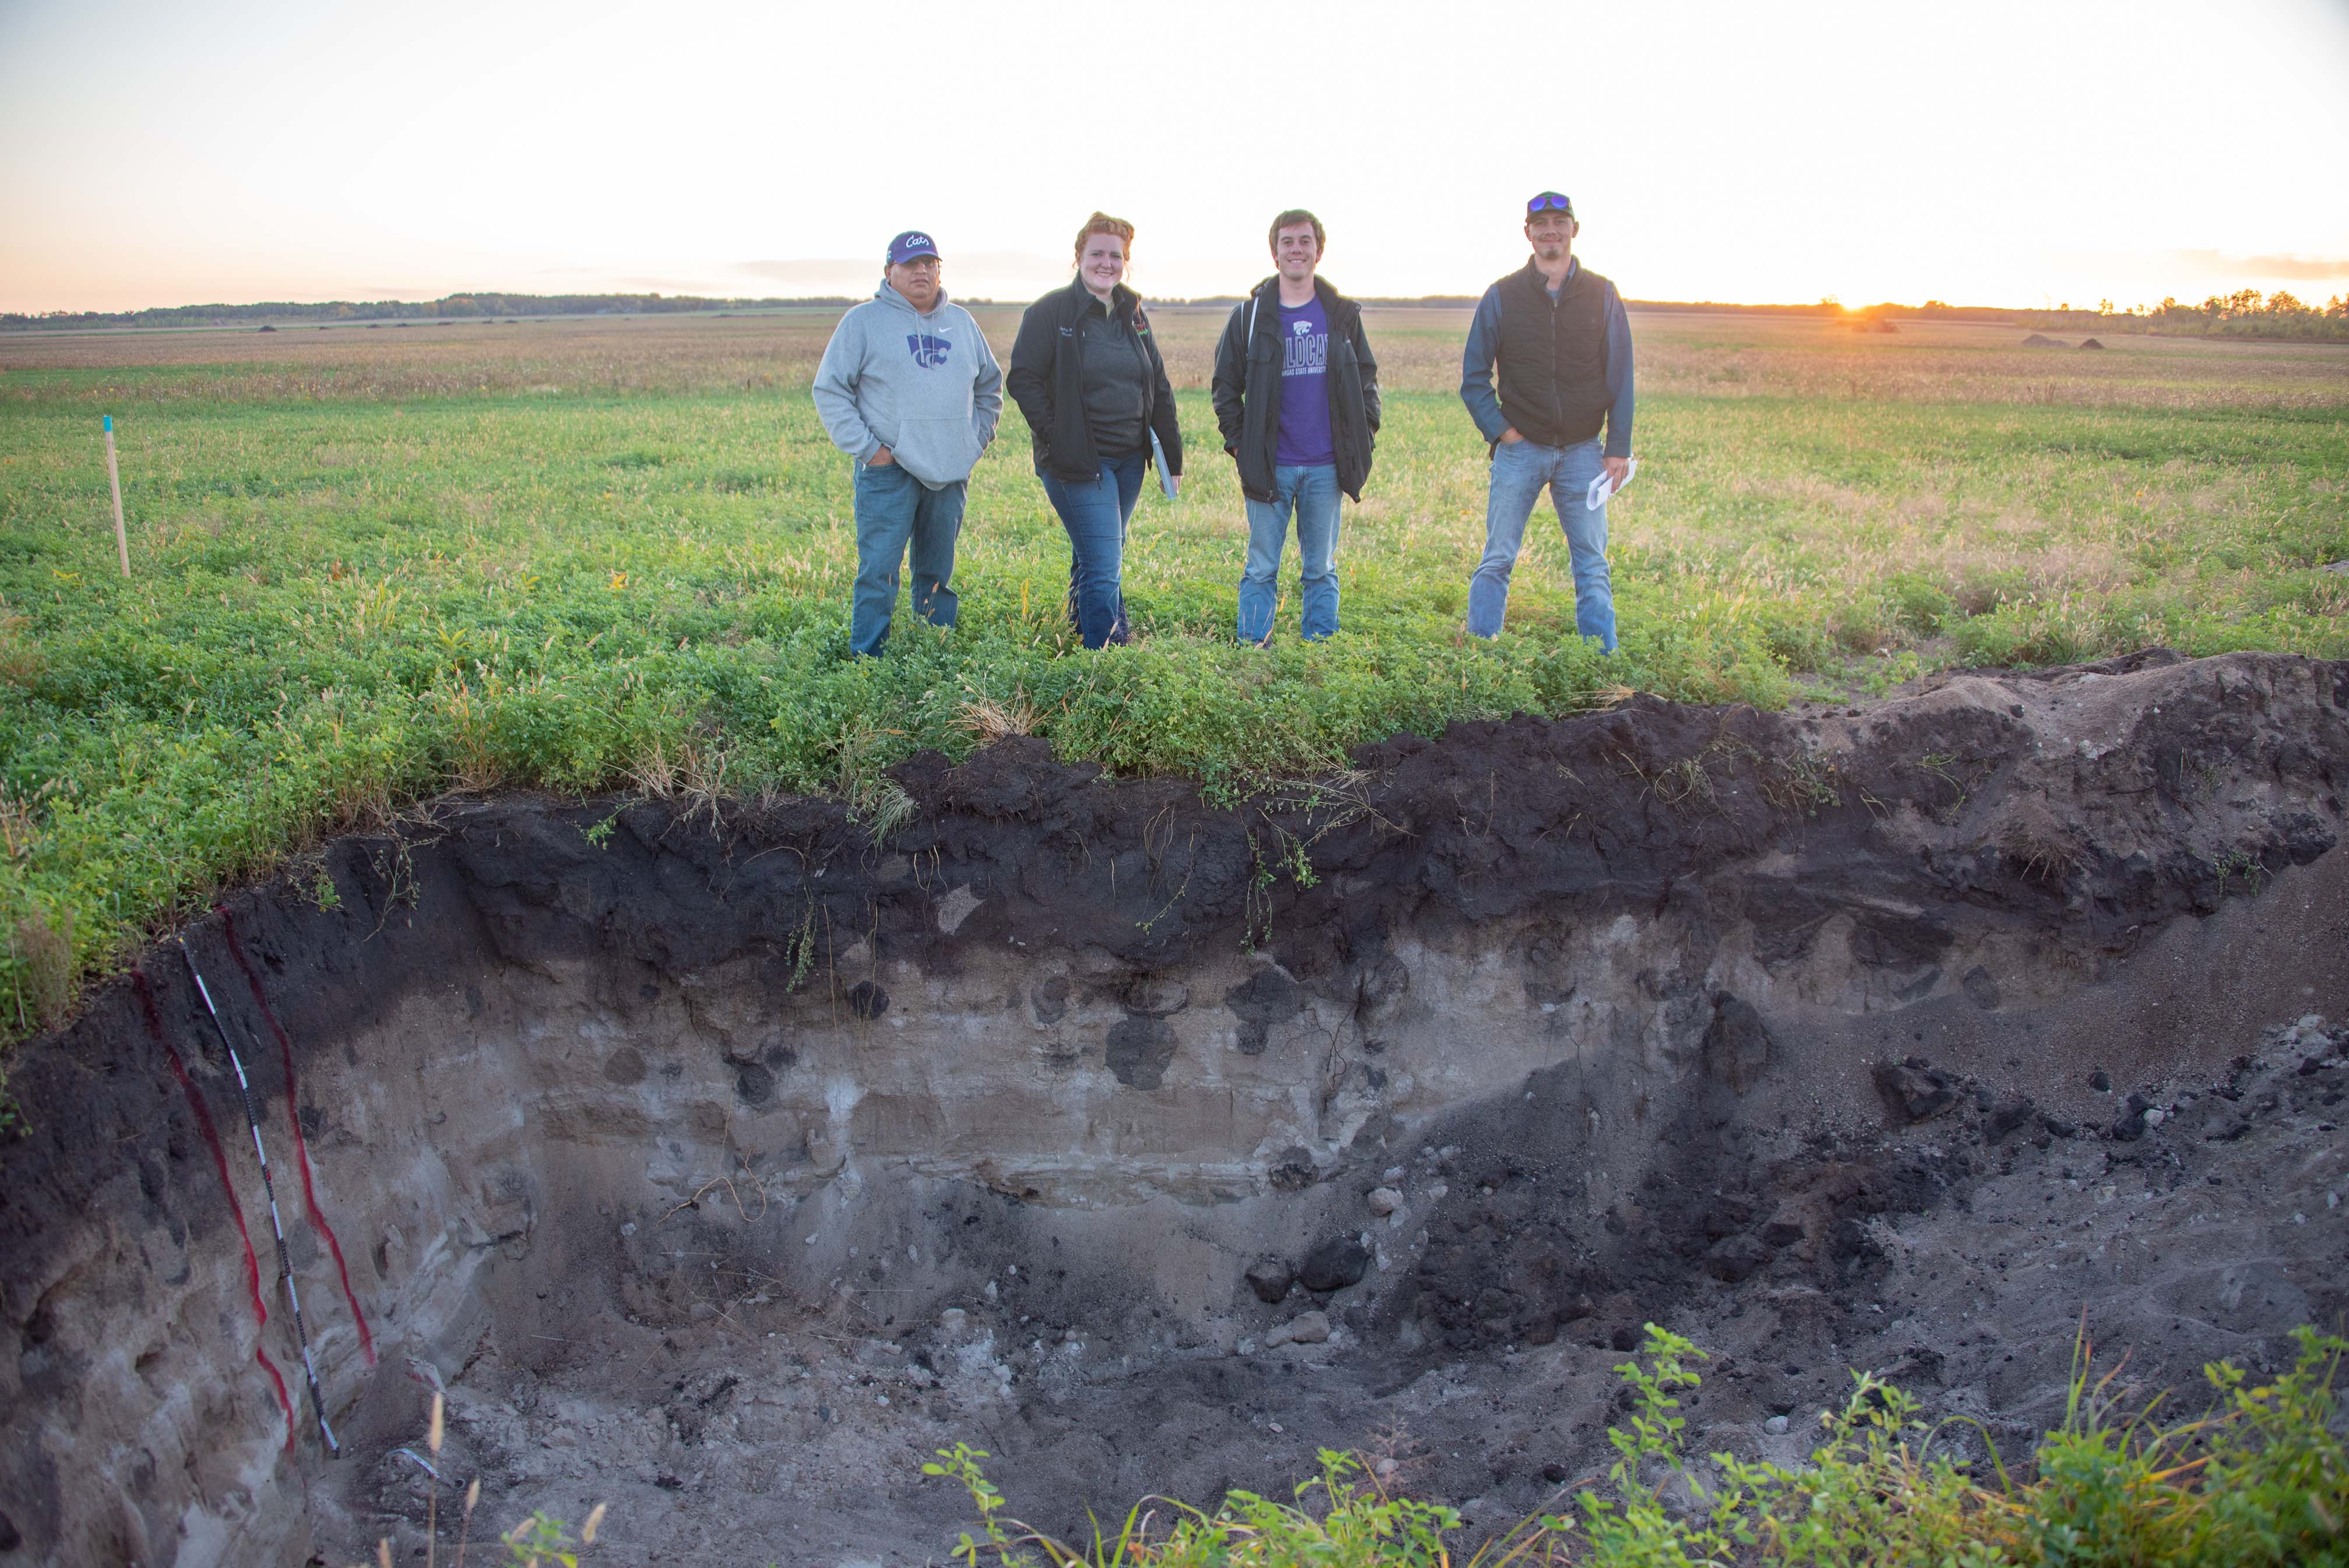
x,y
1553,357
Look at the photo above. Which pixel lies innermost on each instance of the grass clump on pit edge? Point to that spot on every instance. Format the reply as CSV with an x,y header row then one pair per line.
x,y
2261,1480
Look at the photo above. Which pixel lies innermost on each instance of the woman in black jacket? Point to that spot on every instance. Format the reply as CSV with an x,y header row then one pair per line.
x,y
1085,372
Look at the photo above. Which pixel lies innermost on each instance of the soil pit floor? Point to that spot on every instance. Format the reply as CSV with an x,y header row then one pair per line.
x,y
721,1162
763,1435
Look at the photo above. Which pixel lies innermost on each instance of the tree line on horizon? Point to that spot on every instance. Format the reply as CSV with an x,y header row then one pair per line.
x,y
2244,313
448,307
481,307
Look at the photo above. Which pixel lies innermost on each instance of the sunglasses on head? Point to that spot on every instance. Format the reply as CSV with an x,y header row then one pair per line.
x,y
1549,202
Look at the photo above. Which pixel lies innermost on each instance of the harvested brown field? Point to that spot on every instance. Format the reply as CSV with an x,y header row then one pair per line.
x,y
1419,350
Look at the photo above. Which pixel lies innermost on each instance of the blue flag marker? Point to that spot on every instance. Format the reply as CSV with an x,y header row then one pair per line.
x,y
109,423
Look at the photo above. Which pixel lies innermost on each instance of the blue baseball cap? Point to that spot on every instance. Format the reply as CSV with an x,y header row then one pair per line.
x,y
911,243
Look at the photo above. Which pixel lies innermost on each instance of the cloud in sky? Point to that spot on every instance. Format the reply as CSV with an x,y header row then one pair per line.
x,y
2302,269
152,154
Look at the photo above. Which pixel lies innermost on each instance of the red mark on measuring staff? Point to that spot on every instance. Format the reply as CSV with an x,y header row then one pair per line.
x,y
293,1120
228,1188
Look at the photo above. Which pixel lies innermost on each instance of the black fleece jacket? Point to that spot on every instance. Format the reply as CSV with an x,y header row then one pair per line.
x,y
1047,379
1247,387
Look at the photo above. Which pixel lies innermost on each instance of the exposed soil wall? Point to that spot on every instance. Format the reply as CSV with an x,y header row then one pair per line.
x,y
722,1162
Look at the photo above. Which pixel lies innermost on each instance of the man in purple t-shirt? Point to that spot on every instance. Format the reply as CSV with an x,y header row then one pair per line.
x,y
1305,440
1297,396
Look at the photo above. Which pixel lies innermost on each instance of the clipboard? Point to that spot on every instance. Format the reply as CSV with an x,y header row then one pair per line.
x,y
1158,457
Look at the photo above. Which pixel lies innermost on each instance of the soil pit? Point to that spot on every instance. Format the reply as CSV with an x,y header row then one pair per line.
x,y
722,1163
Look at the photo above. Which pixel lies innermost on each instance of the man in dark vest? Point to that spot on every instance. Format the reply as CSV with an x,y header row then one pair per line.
x,y
1557,332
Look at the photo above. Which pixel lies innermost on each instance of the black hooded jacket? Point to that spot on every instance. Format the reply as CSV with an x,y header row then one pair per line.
x,y
1247,387
1047,379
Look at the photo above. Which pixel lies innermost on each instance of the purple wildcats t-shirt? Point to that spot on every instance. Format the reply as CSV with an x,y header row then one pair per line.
x,y
1305,440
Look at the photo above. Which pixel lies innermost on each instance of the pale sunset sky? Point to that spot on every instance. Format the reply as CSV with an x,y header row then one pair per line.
x,y
1994,153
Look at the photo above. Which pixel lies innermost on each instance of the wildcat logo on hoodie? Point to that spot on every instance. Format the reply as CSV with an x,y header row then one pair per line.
x,y
929,352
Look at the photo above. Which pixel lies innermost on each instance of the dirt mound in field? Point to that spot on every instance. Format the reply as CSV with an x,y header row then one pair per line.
x,y
2037,340
720,1162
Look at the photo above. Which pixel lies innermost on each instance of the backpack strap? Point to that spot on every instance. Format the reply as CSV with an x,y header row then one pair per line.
x,y
1248,339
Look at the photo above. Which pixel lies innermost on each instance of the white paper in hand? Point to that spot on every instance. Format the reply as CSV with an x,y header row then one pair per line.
x,y
1600,489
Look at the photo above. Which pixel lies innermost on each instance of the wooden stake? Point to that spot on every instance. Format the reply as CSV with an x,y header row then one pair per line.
x,y
114,477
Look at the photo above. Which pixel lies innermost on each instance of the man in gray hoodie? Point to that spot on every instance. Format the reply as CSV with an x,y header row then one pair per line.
x,y
909,388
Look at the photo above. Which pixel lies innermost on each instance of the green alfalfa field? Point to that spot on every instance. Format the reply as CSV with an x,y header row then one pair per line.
x,y
372,565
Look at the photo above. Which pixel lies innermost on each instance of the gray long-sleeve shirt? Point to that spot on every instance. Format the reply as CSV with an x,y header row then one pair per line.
x,y
1484,344
922,384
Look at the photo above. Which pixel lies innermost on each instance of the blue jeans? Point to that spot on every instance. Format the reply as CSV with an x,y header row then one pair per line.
x,y
1520,471
894,508
1094,512
1312,494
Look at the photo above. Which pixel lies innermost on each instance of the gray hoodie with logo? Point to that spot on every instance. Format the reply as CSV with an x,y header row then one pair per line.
x,y
925,385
